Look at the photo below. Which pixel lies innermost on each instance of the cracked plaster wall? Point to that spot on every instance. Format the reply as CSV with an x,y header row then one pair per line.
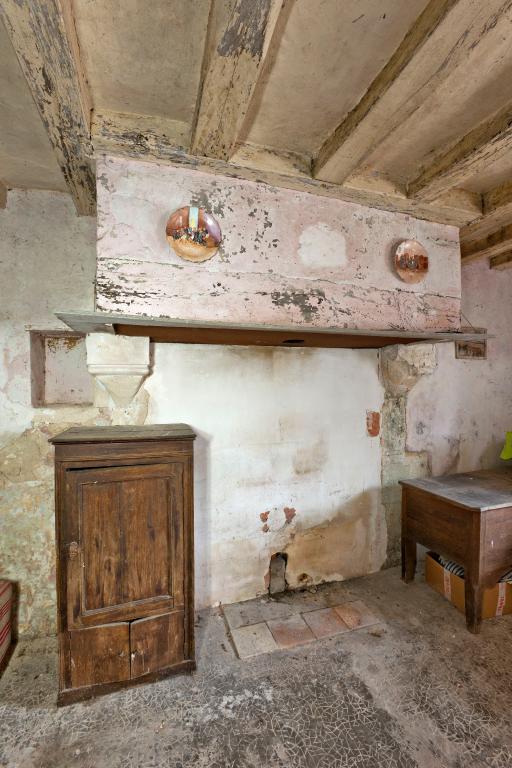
x,y
284,461
48,259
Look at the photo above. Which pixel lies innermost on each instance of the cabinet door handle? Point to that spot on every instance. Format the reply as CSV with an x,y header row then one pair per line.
x,y
73,550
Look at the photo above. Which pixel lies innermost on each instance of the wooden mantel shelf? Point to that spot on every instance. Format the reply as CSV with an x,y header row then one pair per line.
x,y
167,329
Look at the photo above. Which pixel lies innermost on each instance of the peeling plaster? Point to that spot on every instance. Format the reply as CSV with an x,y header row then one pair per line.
x,y
286,256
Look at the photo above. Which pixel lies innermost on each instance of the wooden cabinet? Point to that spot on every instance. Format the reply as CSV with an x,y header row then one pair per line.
x,y
124,528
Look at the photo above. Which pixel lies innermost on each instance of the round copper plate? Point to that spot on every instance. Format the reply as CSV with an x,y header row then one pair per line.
x,y
411,261
193,233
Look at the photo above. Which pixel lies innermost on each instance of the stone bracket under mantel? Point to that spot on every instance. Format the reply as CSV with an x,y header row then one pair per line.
x,y
165,329
119,364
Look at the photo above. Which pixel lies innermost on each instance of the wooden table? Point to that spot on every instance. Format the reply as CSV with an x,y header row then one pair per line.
x,y
467,518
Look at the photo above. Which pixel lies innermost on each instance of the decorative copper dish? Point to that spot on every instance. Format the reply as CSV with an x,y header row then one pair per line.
x,y
193,233
411,261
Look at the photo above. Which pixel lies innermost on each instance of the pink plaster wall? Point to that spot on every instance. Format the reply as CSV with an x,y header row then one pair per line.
x,y
287,257
460,413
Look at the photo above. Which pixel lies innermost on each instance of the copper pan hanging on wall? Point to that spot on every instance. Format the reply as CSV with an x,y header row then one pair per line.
x,y
193,233
411,261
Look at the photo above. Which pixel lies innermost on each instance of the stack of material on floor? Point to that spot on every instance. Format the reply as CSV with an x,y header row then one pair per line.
x,y
447,578
5,618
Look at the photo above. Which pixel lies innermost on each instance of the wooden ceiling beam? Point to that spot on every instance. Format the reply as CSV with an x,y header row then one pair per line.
x,y
496,213
360,132
43,35
492,245
232,72
143,139
472,154
503,261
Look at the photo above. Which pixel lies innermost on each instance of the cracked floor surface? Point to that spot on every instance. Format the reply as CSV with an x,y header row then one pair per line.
x,y
422,691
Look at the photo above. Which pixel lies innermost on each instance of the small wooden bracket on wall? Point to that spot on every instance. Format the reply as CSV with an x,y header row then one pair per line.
x,y
471,350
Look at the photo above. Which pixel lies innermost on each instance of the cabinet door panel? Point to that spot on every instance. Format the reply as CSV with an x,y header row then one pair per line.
x,y
156,643
127,555
147,522
99,655
101,545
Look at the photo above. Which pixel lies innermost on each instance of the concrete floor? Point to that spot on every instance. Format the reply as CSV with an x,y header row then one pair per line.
x,y
415,690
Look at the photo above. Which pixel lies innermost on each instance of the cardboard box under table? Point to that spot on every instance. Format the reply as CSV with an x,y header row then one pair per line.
x,y
497,600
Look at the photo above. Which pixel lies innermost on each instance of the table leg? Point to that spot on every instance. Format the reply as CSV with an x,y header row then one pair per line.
x,y
474,599
408,559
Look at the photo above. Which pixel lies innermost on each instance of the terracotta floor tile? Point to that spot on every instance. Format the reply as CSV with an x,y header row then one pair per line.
x,y
325,623
355,614
291,632
253,640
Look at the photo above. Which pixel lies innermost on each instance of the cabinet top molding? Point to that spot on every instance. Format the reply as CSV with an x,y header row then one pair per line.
x,y
122,434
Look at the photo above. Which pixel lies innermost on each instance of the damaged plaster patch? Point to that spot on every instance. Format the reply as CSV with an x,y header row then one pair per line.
x,y
308,303
322,247
350,544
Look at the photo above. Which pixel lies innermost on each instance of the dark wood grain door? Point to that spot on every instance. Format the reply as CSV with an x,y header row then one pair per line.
x,y
124,542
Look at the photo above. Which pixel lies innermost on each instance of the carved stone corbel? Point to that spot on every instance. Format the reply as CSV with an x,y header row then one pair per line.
x,y
119,364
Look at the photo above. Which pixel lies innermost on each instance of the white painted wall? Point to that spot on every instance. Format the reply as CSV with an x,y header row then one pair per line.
x,y
461,412
277,428
47,259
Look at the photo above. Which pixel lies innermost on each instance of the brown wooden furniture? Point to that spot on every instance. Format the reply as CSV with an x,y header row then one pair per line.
x,y
124,531
465,517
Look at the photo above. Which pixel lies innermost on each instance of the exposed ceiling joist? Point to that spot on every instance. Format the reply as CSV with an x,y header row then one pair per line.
x,y
360,132
470,155
232,73
492,245
43,35
116,133
497,213
3,195
504,261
